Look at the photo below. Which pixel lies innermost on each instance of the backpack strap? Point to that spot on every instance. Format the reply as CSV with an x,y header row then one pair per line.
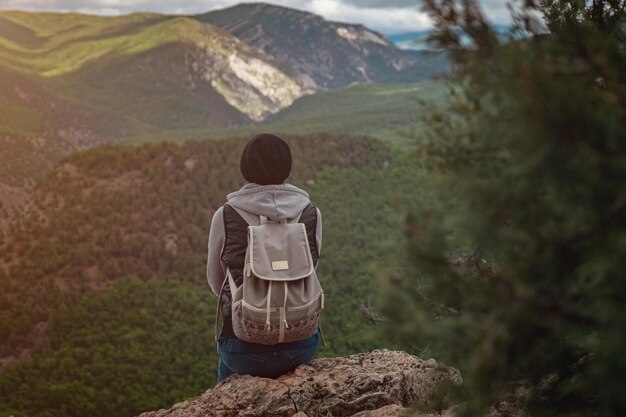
x,y
218,312
251,219
309,217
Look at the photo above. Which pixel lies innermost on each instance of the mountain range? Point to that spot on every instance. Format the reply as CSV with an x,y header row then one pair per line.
x,y
73,81
227,67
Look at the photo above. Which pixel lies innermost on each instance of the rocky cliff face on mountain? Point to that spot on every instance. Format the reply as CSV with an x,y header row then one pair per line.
x,y
380,383
317,53
202,76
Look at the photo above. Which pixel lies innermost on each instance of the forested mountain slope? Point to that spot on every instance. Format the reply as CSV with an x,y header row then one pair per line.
x,y
145,212
104,279
32,118
37,129
396,113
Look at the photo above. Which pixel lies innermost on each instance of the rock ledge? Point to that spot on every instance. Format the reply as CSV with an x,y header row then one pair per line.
x,y
367,384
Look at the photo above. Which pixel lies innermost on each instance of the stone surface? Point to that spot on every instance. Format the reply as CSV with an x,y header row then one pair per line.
x,y
372,384
398,411
393,410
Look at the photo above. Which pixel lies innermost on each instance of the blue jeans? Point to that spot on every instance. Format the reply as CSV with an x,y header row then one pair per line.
x,y
239,357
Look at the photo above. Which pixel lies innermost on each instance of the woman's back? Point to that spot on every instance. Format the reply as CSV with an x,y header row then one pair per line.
x,y
266,159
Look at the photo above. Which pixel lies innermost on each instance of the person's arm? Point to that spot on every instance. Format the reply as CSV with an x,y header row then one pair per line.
x,y
215,268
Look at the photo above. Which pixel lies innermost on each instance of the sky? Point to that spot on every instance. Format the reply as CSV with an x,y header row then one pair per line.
x,y
387,16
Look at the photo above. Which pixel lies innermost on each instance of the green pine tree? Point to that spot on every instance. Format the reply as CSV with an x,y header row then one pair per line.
x,y
522,280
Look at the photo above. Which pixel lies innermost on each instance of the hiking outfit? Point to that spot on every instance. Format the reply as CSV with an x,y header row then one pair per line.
x,y
264,245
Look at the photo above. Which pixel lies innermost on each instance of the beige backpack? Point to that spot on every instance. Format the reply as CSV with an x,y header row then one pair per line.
x,y
280,299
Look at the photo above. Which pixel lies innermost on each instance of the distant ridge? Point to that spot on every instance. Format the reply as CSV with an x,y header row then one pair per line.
x,y
319,53
228,67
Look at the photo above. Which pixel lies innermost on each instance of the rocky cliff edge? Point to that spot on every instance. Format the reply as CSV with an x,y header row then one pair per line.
x,y
380,383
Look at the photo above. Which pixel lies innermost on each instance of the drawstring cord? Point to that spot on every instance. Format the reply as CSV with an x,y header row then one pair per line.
x,y
268,306
269,298
283,318
285,305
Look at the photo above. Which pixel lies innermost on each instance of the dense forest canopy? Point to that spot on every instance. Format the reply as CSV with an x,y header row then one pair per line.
x,y
112,260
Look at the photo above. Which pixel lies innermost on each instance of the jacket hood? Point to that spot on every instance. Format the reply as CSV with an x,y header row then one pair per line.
x,y
275,201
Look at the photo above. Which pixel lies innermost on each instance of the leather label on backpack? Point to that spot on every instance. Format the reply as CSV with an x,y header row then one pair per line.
x,y
280,265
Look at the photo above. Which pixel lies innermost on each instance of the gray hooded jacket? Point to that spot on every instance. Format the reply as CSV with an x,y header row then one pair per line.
x,y
277,202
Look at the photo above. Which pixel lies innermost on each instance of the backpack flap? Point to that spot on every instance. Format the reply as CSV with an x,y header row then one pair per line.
x,y
279,252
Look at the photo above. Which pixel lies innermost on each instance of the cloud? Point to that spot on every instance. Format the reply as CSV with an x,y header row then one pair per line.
x,y
383,4
497,10
387,20
116,6
387,16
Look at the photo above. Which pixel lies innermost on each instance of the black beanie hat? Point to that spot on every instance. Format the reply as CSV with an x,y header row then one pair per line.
x,y
266,159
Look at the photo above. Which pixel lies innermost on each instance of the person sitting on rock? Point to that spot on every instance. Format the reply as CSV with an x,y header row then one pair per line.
x,y
265,164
